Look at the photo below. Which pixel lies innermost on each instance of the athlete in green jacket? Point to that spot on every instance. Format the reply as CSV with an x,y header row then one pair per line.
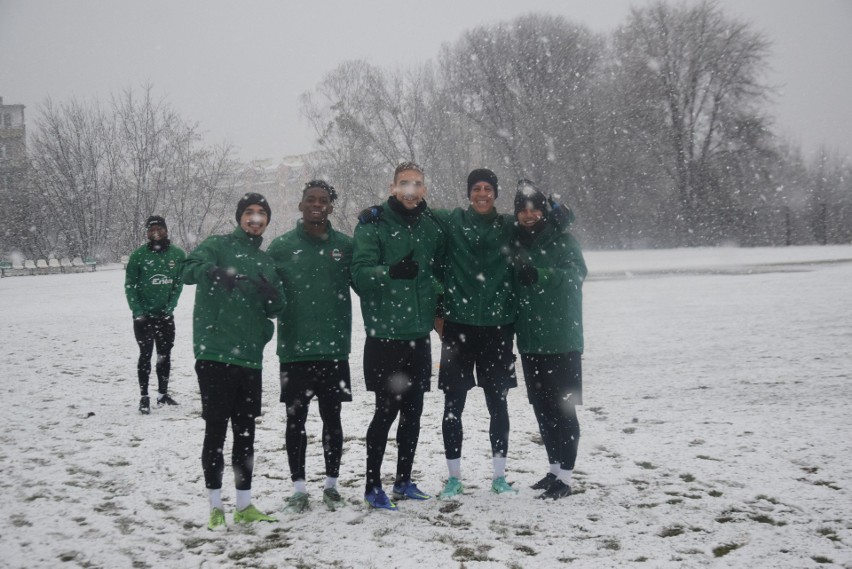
x,y
152,286
237,292
314,336
395,271
550,277
479,312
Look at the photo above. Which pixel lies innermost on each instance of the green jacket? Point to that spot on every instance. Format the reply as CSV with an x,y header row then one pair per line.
x,y
550,311
398,309
478,272
232,327
152,281
316,323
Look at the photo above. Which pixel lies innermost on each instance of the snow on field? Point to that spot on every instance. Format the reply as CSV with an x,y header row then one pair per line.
x,y
716,433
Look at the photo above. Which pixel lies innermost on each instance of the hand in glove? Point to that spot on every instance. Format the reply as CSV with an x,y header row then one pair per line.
x,y
406,269
527,275
265,289
370,214
224,278
560,214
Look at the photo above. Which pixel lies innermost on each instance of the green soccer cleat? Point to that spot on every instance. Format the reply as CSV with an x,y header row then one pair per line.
x,y
250,514
332,499
452,488
297,503
217,520
500,486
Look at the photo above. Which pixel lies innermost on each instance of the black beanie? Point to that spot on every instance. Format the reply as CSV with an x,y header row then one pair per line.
x,y
252,198
155,220
529,197
481,175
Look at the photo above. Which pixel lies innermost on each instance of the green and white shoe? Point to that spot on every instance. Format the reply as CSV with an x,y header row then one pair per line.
x,y
298,503
332,499
217,520
500,486
452,488
250,514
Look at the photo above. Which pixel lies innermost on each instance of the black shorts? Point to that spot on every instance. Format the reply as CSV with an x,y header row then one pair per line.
x,y
397,365
300,381
486,348
228,390
554,375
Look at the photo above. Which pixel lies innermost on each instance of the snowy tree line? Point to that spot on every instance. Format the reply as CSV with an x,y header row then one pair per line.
x,y
656,135
96,172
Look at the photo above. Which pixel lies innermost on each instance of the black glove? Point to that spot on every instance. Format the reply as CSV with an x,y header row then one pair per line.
x,y
406,269
223,278
265,289
141,319
527,274
370,214
560,214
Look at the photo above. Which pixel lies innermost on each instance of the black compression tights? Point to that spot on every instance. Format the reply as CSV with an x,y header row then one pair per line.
x,y
242,453
409,406
297,439
453,431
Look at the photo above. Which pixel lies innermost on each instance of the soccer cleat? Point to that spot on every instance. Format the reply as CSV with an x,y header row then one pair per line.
x,y
332,499
557,490
545,482
250,514
163,400
298,503
452,488
217,520
500,486
408,491
376,498
145,405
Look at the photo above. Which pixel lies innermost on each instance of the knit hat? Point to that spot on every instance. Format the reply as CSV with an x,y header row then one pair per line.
x,y
155,220
529,197
252,198
481,175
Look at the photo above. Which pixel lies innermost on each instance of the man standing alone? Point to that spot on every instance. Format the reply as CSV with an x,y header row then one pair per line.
x,y
152,285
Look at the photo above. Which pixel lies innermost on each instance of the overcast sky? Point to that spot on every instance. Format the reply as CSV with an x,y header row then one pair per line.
x,y
238,68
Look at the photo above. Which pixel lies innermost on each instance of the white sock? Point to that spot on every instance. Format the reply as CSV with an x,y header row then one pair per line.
x,y
454,466
499,466
214,495
330,482
565,476
300,486
243,499
554,469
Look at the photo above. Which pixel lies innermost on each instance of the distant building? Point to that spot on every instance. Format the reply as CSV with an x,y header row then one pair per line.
x,y
282,185
13,146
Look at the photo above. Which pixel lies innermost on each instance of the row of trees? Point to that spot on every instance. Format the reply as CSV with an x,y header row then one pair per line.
x,y
96,172
656,135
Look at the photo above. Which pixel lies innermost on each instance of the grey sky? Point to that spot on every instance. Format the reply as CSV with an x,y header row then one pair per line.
x,y
238,68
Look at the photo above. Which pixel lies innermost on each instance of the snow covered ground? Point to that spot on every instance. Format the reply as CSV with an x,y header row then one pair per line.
x,y
716,433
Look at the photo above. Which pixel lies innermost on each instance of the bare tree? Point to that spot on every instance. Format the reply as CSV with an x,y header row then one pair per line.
x,y
70,174
525,85
694,78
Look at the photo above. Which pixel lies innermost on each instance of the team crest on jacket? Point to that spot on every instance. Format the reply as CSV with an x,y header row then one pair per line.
x,y
172,263
336,254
